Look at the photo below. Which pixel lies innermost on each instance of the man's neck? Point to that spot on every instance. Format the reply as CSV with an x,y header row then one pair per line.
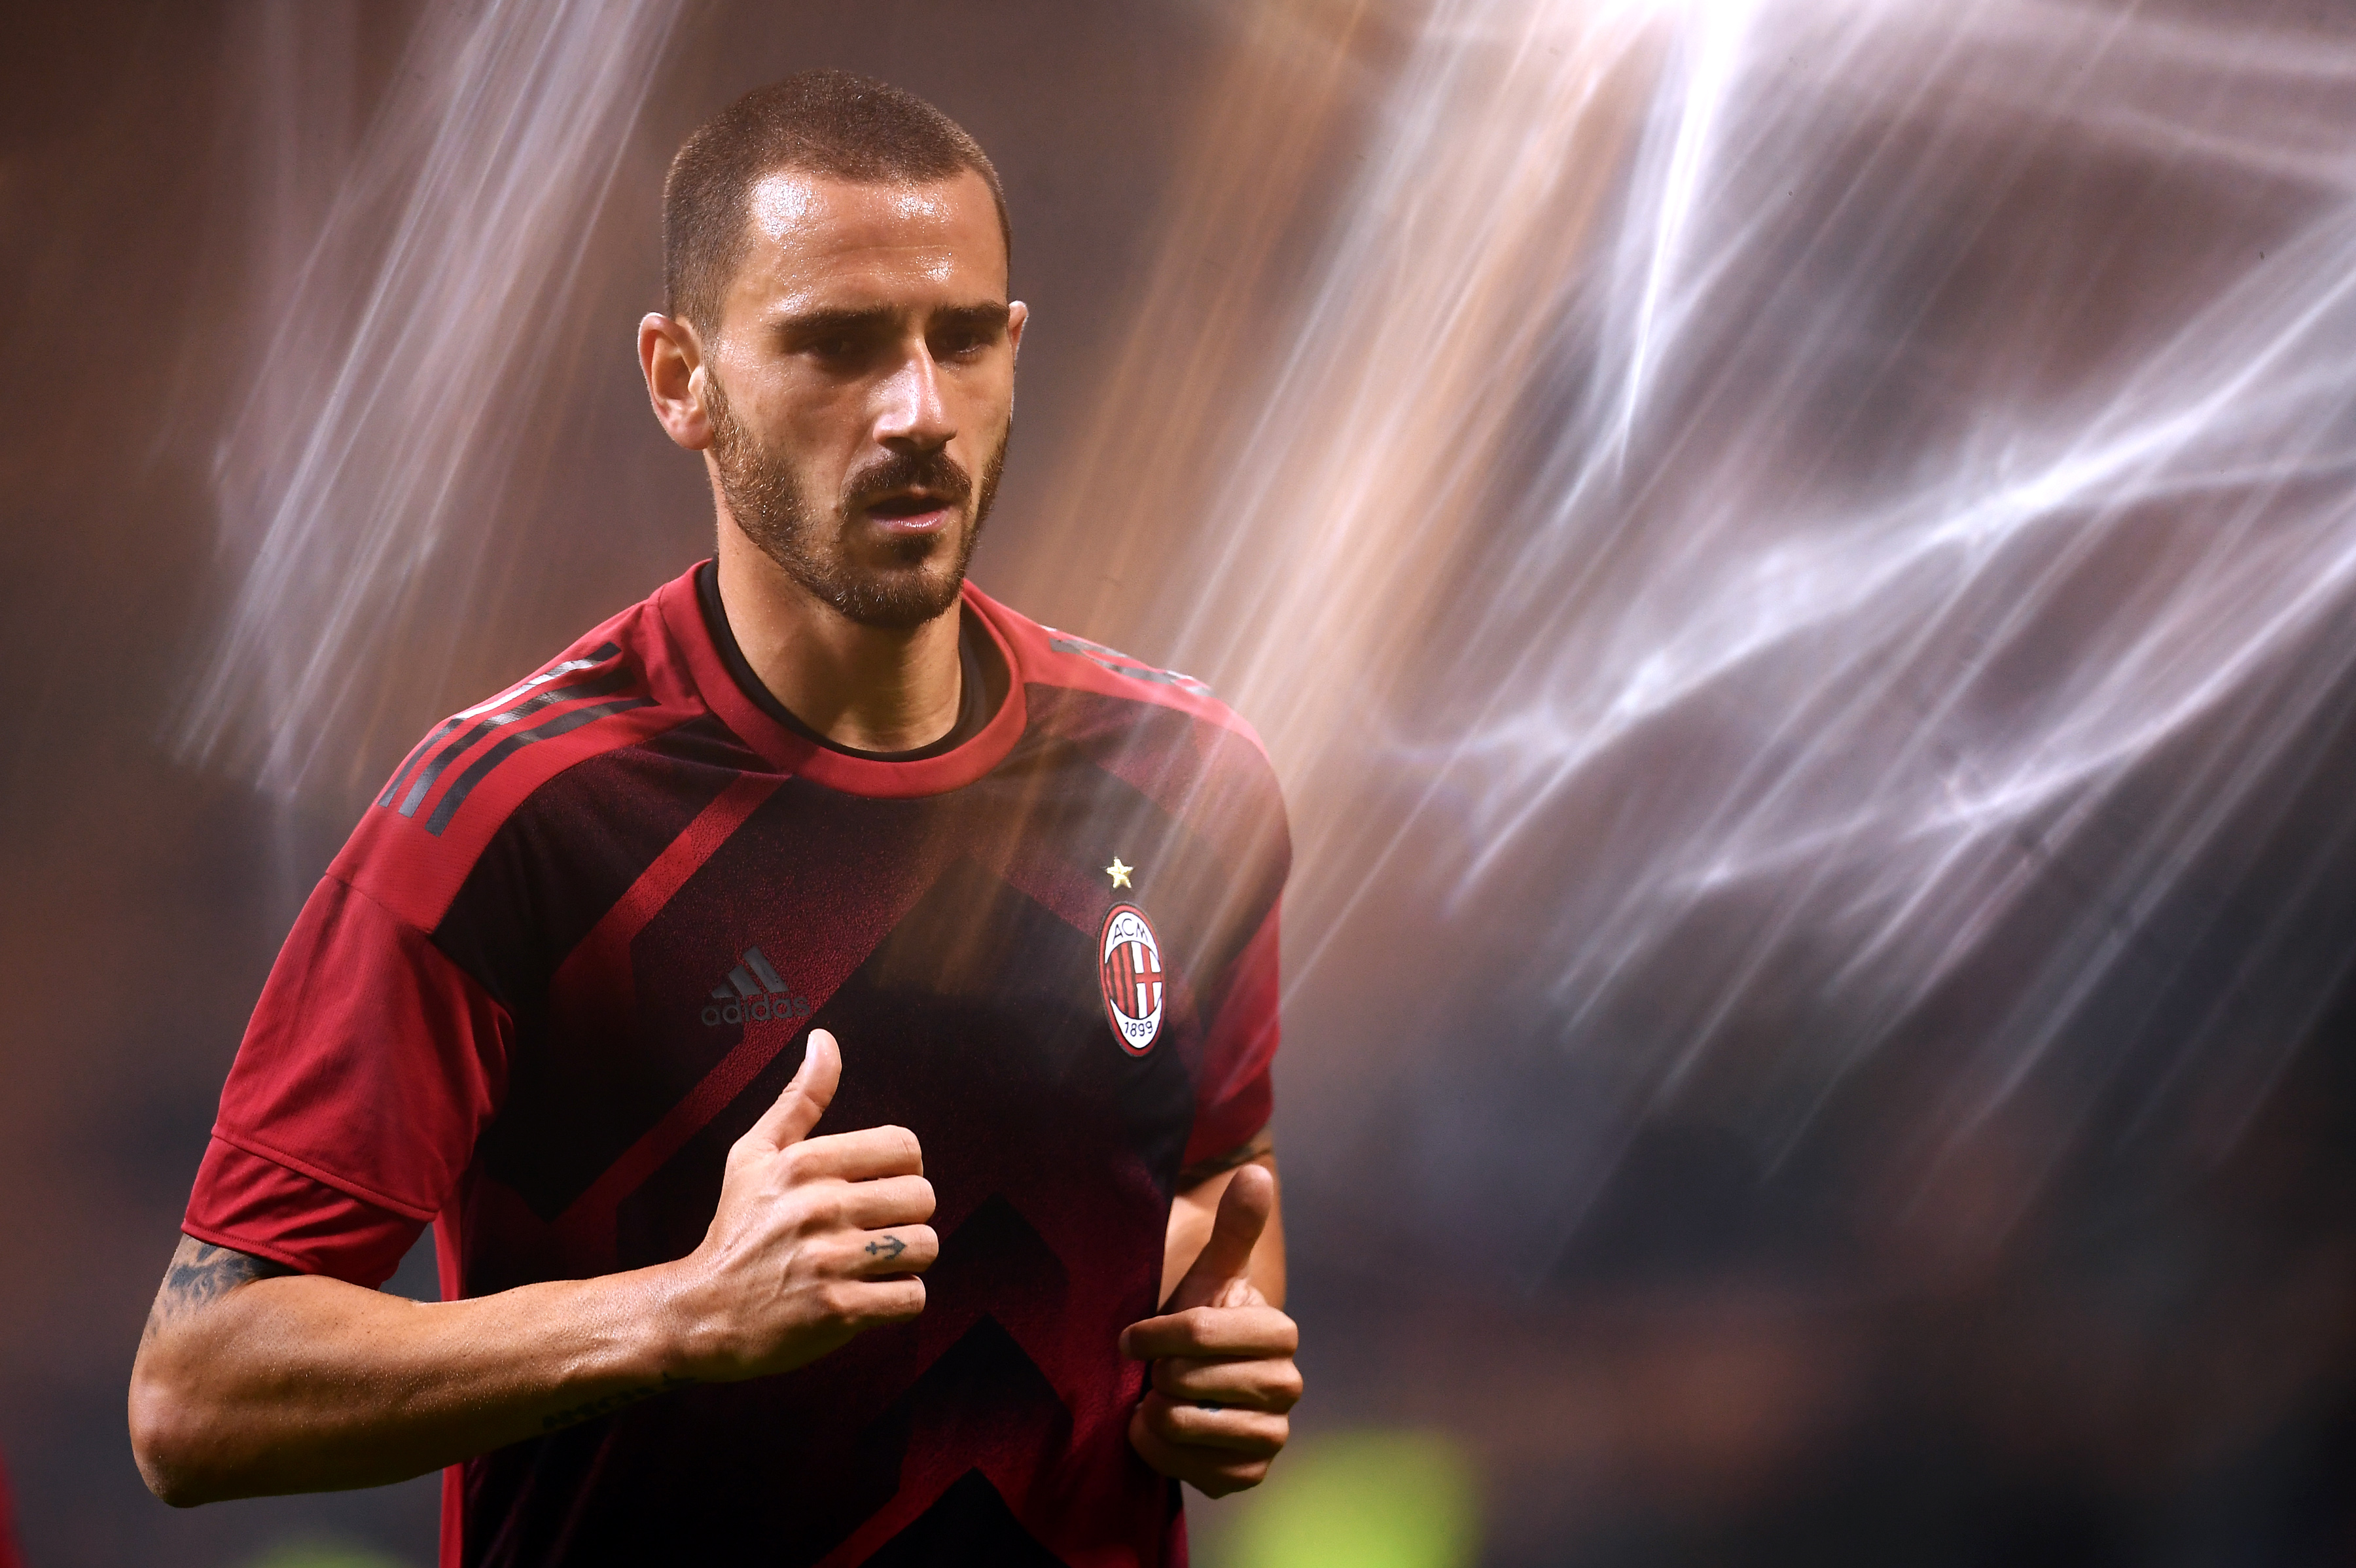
x,y
865,688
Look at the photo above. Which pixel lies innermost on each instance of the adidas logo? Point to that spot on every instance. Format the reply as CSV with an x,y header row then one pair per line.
x,y
753,992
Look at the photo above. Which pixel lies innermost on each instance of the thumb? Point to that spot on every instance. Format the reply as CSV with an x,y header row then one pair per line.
x,y
805,1100
1244,1209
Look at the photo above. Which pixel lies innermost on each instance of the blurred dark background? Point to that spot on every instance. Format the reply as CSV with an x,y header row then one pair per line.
x,y
2077,1345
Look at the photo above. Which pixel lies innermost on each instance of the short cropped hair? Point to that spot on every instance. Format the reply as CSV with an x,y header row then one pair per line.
x,y
827,122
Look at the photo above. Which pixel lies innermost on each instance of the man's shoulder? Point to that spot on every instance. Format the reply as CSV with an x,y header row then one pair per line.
x,y
1163,733
616,685
1047,657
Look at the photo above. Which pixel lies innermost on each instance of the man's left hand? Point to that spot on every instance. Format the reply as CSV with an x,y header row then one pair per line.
x,y
1223,1379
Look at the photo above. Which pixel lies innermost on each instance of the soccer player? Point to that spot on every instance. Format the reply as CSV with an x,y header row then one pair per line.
x,y
825,1016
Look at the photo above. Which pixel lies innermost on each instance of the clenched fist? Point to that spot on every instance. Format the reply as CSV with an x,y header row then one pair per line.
x,y
815,1240
1223,1382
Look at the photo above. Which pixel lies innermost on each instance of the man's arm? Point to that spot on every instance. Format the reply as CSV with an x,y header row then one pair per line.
x,y
252,1379
1222,1382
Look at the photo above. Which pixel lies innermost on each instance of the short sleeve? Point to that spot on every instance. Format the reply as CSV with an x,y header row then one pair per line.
x,y
1234,1095
371,1065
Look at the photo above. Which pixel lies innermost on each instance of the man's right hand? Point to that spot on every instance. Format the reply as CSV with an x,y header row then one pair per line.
x,y
815,1240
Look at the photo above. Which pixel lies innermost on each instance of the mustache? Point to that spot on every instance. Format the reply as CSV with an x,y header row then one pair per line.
x,y
935,470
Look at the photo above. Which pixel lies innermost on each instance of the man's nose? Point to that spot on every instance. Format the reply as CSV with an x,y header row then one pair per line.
x,y
915,415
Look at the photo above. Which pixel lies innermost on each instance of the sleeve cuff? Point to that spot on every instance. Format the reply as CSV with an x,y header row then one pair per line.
x,y
255,1205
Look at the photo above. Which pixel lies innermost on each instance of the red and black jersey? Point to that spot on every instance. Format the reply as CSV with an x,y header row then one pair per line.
x,y
573,951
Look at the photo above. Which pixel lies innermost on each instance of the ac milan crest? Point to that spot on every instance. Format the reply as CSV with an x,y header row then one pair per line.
x,y
1130,968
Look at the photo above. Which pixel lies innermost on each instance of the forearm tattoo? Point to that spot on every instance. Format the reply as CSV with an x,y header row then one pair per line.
x,y
201,1273
1263,1142
610,1403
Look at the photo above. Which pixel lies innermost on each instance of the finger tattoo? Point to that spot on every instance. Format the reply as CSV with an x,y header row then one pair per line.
x,y
889,1247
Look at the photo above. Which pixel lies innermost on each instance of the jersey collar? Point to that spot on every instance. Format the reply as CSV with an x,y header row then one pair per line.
x,y
682,618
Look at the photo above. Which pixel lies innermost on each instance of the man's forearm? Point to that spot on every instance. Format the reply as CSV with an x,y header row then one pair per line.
x,y
247,1385
302,1384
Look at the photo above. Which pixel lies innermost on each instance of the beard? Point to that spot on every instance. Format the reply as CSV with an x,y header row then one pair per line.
x,y
920,576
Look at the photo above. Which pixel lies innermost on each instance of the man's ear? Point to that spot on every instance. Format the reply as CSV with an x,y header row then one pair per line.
x,y
672,359
1017,313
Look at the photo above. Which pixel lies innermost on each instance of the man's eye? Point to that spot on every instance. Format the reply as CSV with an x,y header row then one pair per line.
x,y
961,345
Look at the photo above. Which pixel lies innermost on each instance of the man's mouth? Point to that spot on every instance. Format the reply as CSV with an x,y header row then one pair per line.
x,y
912,511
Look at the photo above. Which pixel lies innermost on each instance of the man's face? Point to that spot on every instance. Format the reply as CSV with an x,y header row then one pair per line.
x,y
862,384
